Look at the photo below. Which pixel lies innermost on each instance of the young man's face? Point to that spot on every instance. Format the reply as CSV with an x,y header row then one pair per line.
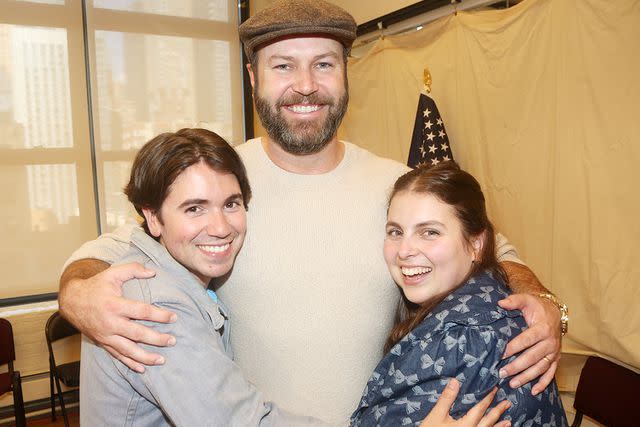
x,y
202,222
300,91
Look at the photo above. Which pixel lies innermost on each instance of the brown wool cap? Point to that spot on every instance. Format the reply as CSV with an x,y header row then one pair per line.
x,y
287,17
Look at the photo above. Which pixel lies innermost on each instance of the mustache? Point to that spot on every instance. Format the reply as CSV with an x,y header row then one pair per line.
x,y
314,98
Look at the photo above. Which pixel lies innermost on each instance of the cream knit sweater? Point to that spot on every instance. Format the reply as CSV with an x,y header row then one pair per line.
x,y
310,296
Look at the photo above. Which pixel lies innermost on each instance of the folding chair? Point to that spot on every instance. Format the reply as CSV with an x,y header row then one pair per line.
x,y
10,381
68,374
607,393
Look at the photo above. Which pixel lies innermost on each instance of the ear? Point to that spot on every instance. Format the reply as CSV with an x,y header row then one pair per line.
x,y
251,76
477,243
153,222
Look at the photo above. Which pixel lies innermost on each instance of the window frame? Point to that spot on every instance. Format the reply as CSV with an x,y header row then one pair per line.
x,y
73,17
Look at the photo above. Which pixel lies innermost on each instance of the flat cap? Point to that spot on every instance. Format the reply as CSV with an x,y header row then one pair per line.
x,y
289,17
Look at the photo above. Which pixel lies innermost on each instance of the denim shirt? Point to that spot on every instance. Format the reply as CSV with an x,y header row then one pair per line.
x,y
198,385
463,337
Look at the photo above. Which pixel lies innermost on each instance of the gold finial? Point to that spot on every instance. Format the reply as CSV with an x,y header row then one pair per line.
x,y
381,29
426,80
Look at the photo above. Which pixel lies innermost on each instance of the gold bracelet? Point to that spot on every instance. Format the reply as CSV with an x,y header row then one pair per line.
x,y
564,311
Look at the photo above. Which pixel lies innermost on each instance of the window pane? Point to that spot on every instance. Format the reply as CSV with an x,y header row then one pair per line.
x,y
40,226
117,207
35,100
215,10
149,84
52,200
150,73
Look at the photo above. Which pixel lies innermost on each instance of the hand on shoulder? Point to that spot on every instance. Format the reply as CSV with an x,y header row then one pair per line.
x,y
91,299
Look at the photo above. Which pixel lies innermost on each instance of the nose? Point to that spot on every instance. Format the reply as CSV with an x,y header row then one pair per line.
x,y
218,225
305,83
406,249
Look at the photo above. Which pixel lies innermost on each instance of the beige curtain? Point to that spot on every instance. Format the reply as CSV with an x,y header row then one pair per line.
x,y
541,103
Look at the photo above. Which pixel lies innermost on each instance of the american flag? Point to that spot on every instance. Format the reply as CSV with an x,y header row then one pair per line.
x,y
429,142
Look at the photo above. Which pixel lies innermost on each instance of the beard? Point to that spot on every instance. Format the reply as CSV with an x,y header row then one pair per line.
x,y
305,137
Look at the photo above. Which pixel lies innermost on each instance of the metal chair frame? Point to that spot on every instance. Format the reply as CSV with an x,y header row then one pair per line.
x,y
56,329
7,356
606,392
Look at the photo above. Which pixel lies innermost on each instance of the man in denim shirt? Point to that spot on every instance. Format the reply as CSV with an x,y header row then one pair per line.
x,y
191,188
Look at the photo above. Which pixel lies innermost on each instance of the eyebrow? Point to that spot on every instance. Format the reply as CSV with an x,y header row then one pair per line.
x,y
189,202
419,225
291,58
323,55
276,57
193,202
231,198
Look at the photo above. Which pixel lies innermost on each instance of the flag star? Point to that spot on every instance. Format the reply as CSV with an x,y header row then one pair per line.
x,y
426,112
434,161
444,147
421,163
439,121
432,148
422,151
430,136
441,134
445,158
428,124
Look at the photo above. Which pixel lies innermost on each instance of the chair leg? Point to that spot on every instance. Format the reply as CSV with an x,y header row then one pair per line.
x,y
61,400
18,401
52,394
577,420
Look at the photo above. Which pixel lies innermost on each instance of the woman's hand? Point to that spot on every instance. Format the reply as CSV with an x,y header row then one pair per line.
x,y
439,415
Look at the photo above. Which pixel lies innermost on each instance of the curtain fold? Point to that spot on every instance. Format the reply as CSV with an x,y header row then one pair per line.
x,y
541,103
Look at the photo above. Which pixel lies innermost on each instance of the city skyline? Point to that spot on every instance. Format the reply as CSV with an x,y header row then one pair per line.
x,y
142,85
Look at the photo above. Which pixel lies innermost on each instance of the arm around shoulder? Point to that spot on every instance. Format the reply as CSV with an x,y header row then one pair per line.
x,y
541,342
93,303
70,295
521,278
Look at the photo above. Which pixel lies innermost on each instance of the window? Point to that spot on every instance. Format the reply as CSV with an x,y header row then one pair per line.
x,y
70,123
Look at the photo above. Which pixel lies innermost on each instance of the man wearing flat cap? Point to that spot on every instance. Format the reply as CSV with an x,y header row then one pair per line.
x,y
310,296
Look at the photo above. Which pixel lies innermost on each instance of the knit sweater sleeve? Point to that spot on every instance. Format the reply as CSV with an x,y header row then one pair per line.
x,y
505,251
108,247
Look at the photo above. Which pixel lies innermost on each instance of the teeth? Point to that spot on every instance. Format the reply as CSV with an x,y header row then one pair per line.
x,y
304,108
415,270
214,249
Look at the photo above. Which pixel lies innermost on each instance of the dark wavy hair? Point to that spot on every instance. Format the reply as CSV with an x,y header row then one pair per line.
x,y
460,190
162,159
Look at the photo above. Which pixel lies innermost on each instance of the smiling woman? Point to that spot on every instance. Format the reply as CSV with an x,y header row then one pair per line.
x,y
427,258
440,250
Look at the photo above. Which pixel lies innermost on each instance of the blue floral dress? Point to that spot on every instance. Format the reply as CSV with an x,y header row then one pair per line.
x,y
463,337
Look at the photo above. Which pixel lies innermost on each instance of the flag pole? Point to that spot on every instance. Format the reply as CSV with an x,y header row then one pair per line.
x,y
426,80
